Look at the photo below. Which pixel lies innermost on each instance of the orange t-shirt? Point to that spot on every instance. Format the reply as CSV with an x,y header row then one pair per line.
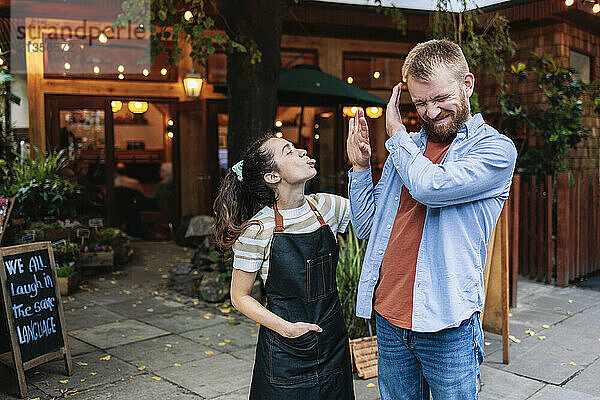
x,y
394,293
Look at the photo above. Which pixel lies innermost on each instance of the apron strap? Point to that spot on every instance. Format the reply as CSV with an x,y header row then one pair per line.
x,y
317,213
279,217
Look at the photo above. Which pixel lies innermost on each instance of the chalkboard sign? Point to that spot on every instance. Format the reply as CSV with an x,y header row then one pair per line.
x,y
32,308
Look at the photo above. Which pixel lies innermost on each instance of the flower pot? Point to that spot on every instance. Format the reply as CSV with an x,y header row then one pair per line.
x,y
97,259
68,284
363,352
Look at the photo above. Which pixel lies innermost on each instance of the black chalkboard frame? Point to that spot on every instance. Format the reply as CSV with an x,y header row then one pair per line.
x,y
64,352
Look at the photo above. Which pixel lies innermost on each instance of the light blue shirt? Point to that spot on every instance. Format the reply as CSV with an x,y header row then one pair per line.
x,y
464,195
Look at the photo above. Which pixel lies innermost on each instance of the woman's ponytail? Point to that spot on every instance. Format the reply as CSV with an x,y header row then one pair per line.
x,y
241,197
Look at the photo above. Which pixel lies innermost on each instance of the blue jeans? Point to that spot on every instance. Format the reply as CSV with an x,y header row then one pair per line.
x,y
410,364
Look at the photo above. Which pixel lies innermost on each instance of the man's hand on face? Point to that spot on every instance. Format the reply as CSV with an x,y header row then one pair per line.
x,y
358,145
393,120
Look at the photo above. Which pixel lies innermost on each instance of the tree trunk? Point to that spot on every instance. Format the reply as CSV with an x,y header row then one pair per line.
x,y
252,88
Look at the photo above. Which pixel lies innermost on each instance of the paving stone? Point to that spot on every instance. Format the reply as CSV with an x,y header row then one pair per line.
x,y
160,353
182,320
134,387
139,307
240,336
79,347
118,333
363,390
114,294
241,394
588,380
9,388
212,376
86,317
551,392
87,367
501,385
246,354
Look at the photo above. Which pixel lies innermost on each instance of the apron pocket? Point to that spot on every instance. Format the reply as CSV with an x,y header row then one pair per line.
x,y
319,277
334,349
292,361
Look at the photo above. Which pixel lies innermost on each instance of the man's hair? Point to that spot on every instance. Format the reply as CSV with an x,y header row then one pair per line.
x,y
423,60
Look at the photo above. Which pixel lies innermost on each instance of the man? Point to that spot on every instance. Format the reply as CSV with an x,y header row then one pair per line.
x,y
428,220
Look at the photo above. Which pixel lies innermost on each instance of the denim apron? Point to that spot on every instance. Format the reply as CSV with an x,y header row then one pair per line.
x,y
301,286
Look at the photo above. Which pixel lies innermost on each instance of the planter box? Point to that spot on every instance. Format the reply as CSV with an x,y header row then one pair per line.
x,y
97,259
57,234
67,285
363,352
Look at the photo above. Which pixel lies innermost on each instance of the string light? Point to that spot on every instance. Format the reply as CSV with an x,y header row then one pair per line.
x,y
121,76
376,74
188,15
170,122
279,134
96,69
65,46
102,38
116,105
278,124
569,3
350,80
170,134
67,65
163,71
317,136
120,68
596,8
145,72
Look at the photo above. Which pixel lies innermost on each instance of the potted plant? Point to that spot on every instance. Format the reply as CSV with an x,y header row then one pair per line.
x,y
97,255
66,256
363,342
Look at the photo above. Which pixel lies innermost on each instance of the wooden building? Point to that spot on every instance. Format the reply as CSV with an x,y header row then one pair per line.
x,y
111,109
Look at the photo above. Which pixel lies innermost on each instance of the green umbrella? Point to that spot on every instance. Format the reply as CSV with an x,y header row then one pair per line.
x,y
308,85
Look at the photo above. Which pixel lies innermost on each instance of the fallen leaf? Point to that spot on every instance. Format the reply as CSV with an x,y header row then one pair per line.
x,y
206,344
209,352
93,373
542,337
225,310
572,363
35,398
138,337
227,341
514,339
105,358
530,332
370,385
83,364
177,365
207,316
164,276
134,305
169,345
570,301
188,317
113,282
557,308
176,342
254,334
64,381
142,367
82,380
157,378
150,310
569,313
486,343
545,326
75,333
222,343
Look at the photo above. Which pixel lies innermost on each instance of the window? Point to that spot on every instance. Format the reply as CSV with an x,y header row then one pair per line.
x,y
216,66
371,71
581,63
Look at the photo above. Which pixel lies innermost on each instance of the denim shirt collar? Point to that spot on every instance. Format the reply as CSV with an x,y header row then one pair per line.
x,y
468,129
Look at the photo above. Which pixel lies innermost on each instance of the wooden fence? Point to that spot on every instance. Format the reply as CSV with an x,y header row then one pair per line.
x,y
554,228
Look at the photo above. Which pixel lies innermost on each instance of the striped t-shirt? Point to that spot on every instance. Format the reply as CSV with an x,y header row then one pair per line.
x,y
251,249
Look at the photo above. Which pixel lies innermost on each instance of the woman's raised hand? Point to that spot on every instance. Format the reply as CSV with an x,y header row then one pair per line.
x,y
358,145
296,329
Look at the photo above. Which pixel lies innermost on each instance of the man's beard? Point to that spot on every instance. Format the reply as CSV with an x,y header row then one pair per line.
x,y
447,132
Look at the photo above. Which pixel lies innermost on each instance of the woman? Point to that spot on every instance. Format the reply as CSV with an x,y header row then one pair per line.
x,y
262,212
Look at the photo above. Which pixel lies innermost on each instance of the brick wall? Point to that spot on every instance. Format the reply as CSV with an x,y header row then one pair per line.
x,y
556,39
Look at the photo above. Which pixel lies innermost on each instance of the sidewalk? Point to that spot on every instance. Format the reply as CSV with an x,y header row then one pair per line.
x,y
131,339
